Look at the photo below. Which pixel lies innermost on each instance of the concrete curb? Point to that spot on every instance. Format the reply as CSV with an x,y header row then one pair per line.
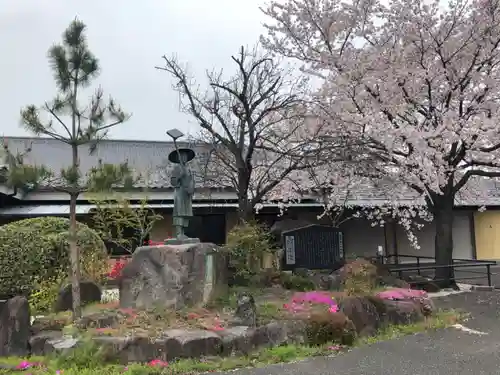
x,y
482,288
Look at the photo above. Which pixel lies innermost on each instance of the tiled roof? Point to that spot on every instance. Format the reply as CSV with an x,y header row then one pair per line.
x,y
477,192
149,158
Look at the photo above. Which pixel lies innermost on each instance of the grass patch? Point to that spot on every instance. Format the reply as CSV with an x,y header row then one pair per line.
x,y
440,319
269,311
87,366
85,361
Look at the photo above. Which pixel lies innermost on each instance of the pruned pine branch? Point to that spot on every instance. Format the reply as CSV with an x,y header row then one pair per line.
x,y
67,120
16,174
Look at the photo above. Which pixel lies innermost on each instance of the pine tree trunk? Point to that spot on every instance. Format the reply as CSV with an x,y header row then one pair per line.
x,y
74,258
74,252
443,219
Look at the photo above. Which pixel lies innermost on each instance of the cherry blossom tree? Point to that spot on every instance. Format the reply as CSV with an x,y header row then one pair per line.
x,y
254,120
349,186
417,80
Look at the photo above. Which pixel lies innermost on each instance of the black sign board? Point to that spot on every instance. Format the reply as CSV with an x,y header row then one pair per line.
x,y
313,247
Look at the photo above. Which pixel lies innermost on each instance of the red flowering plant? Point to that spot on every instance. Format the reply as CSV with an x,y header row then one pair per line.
x,y
117,268
154,243
205,319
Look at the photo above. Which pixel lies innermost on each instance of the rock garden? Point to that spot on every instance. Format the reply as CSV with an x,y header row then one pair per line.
x,y
178,308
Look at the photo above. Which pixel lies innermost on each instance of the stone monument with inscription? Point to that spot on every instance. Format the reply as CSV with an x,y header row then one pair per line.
x,y
183,271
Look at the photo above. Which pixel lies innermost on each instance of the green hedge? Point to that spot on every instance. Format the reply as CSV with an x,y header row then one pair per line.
x,y
38,247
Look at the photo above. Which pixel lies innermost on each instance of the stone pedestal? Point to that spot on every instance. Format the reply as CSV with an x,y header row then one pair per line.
x,y
182,241
173,276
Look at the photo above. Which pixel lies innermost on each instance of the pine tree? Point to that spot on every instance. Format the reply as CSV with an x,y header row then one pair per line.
x,y
75,67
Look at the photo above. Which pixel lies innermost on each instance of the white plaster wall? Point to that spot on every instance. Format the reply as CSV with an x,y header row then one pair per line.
x,y
462,238
361,238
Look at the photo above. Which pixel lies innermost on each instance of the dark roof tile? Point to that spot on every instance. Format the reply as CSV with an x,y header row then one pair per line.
x,y
149,158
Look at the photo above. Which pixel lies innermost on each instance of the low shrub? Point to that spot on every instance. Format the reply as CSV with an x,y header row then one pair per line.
x,y
116,267
267,278
245,248
87,355
42,299
359,277
37,250
297,282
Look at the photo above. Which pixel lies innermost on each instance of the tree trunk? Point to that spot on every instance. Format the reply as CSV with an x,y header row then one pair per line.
x,y
245,210
245,215
443,219
74,258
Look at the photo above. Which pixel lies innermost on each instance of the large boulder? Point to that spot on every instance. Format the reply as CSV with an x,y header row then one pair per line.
x,y
14,327
418,297
324,327
172,276
40,343
196,343
363,313
402,312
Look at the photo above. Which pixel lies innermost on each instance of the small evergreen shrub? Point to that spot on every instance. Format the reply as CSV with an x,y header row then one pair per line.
x,y
359,277
42,299
36,250
297,282
245,248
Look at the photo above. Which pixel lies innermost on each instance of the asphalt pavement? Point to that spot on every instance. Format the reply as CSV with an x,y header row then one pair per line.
x,y
471,349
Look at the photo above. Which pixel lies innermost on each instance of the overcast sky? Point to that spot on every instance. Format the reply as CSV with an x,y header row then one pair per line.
x,y
129,38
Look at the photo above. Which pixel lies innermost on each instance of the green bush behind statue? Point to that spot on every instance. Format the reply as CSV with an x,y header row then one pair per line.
x,y
37,249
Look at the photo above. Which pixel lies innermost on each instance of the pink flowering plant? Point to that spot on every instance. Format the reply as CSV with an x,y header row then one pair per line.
x,y
303,302
402,294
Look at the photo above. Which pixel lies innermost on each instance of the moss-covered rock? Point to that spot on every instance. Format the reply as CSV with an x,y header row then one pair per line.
x,y
37,249
324,327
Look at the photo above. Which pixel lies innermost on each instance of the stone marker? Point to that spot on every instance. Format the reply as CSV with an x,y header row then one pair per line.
x,y
172,276
246,311
14,327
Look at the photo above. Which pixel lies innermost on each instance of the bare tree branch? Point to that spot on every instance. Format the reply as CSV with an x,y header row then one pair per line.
x,y
254,119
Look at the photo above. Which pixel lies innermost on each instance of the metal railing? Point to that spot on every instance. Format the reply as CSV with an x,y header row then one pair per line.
x,y
461,265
